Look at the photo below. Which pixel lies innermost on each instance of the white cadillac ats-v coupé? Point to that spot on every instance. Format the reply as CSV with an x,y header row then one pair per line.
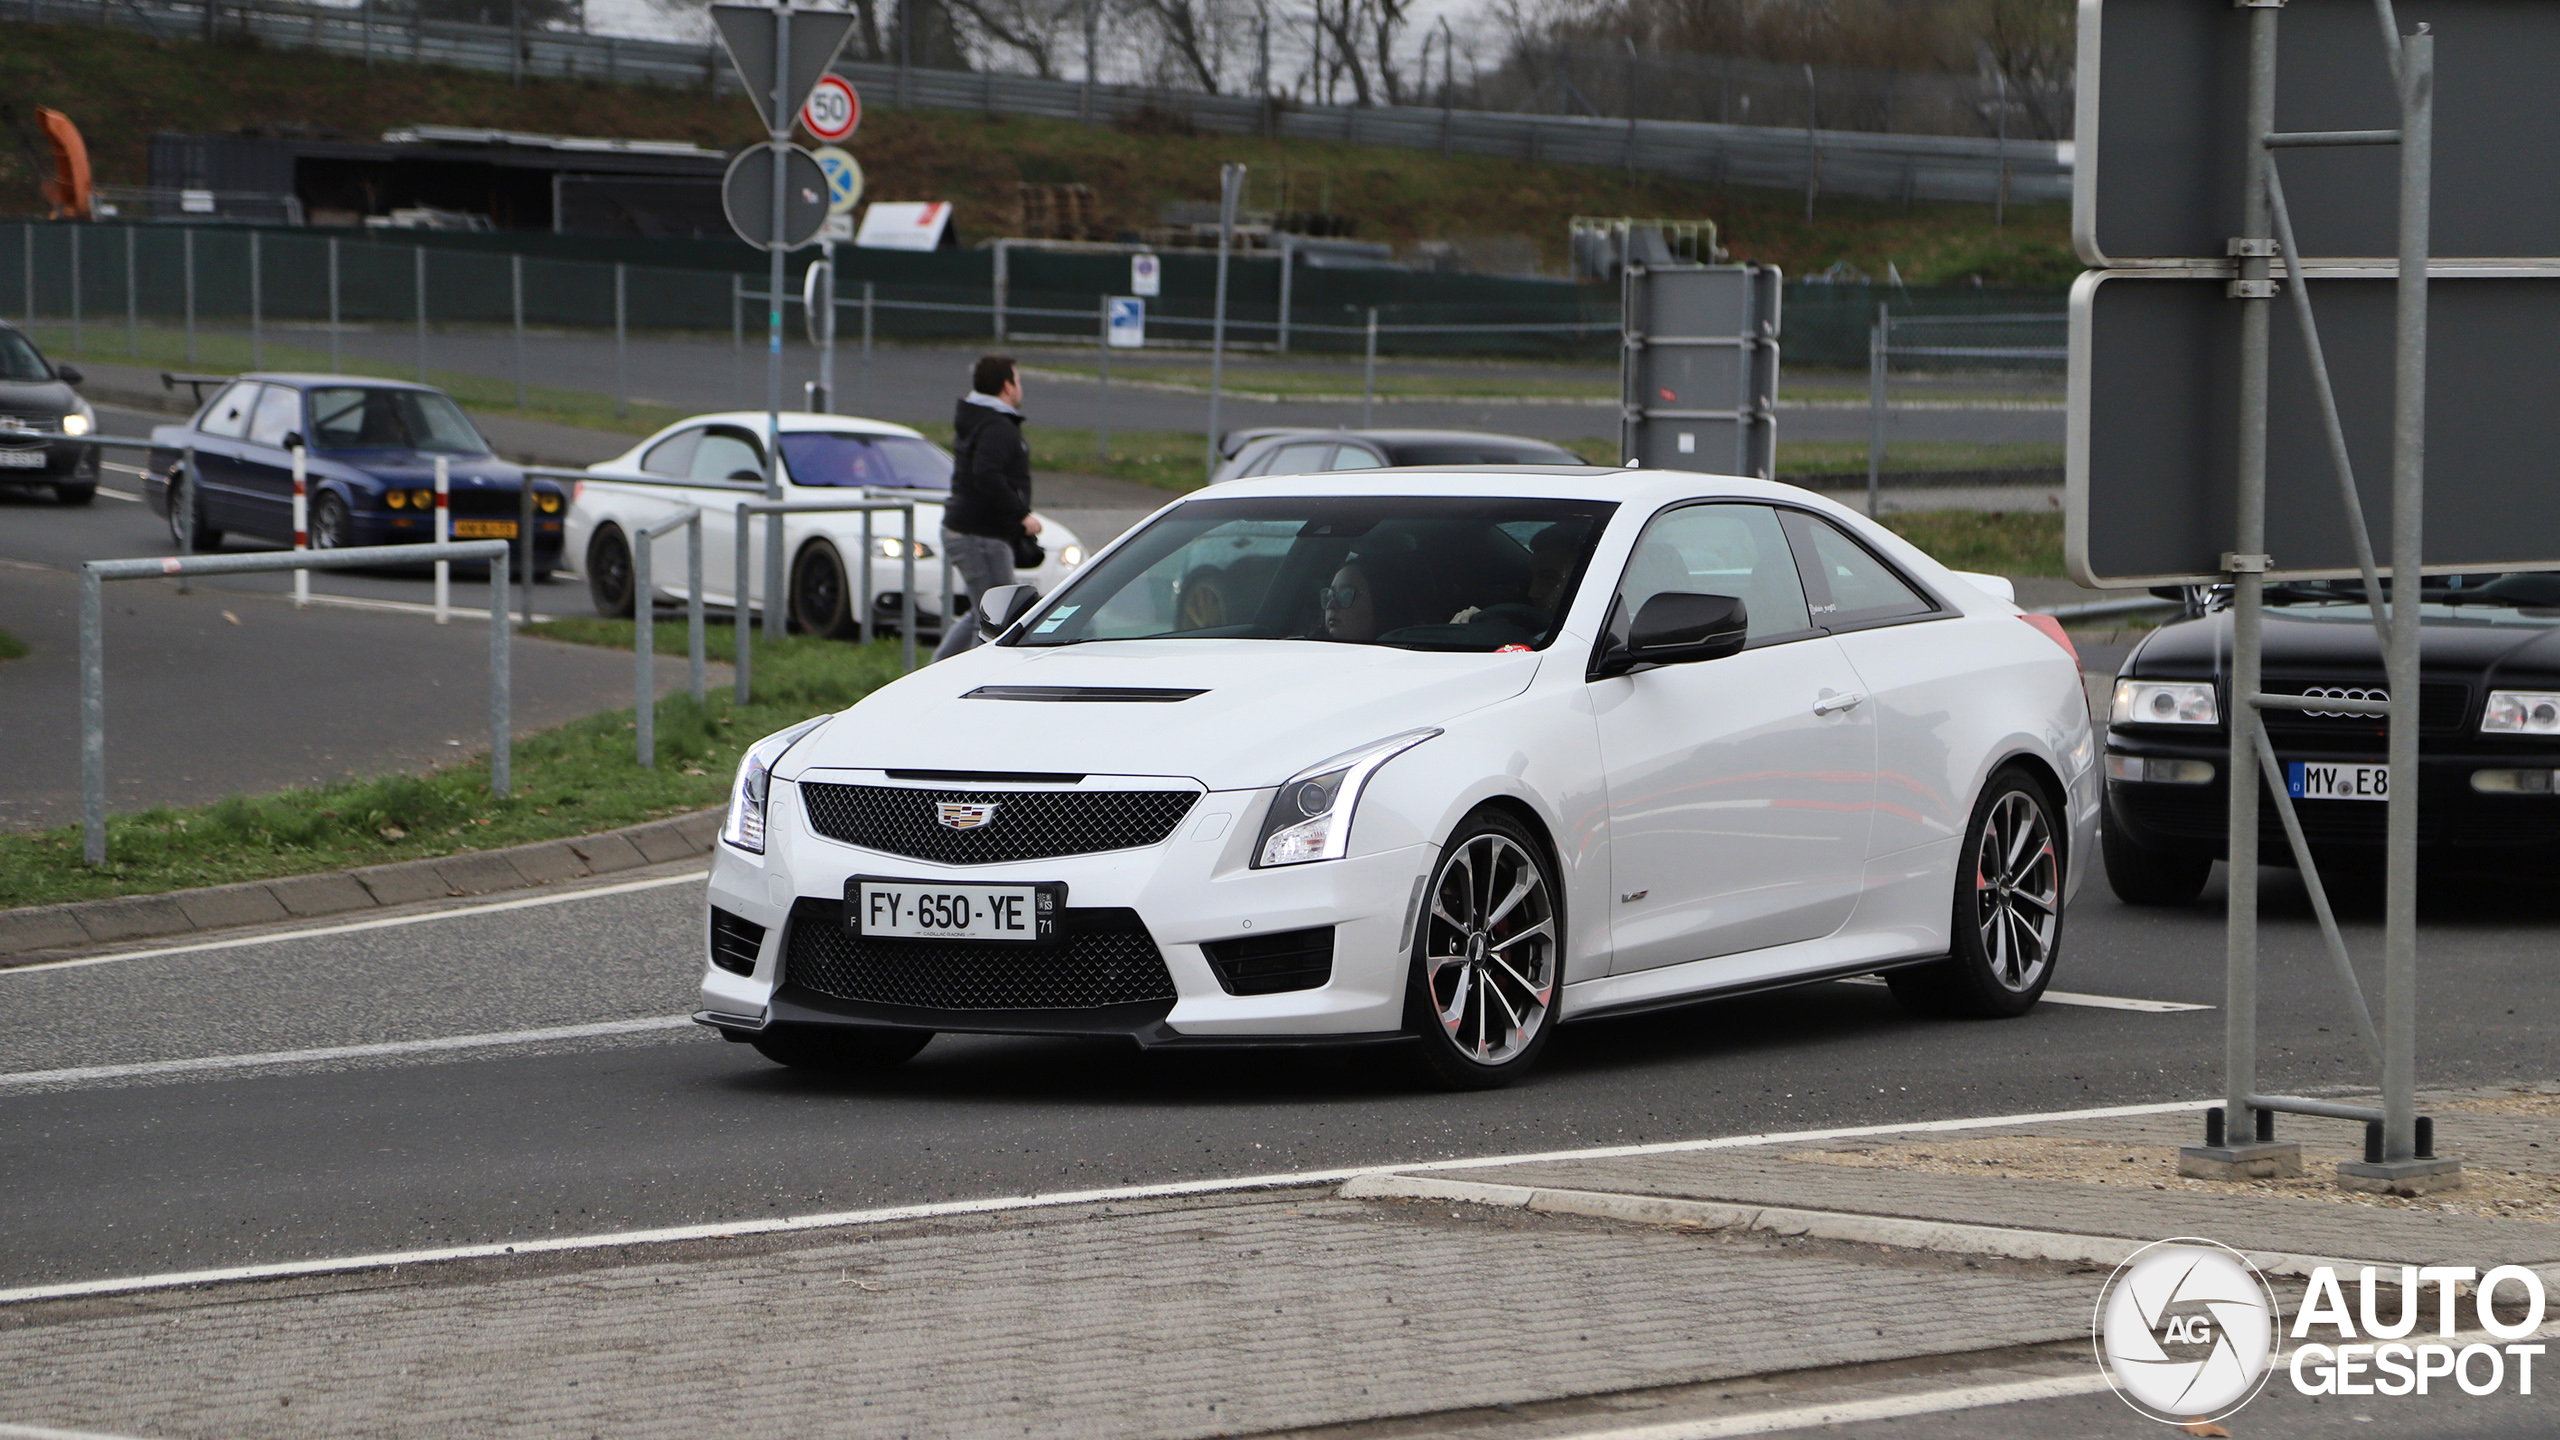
x,y
1444,758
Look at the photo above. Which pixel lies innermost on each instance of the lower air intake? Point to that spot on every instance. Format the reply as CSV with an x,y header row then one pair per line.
x,y
1100,957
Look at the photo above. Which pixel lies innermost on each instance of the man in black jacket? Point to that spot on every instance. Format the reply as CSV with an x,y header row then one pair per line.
x,y
990,506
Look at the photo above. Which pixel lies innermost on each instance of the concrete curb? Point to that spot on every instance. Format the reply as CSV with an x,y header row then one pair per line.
x,y
1903,1234
29,932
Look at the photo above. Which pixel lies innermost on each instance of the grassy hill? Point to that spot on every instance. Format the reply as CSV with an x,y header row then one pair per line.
x,y
120,87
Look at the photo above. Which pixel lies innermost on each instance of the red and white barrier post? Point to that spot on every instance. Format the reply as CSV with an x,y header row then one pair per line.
x,y
444,527
301,524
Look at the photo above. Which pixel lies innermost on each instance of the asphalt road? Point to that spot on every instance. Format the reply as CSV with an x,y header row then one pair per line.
x,y
128,1175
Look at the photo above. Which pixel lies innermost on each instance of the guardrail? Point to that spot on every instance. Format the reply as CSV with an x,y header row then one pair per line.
x,y
93,681
774,510
644,617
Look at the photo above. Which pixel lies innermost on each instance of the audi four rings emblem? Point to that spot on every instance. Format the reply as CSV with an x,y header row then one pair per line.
x,y
2341,692
956,816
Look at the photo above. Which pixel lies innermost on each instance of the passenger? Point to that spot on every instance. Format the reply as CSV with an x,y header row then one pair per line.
x,y
1367,600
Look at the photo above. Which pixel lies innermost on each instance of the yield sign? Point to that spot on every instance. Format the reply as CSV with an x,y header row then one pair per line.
x,y
748,33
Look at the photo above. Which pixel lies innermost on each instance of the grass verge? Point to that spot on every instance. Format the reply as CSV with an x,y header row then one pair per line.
x,y
1170,460
1993,542
578,779
1834,457
11,647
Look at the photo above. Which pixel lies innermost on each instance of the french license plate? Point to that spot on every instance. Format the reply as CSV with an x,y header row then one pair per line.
x,y
954,910
2309,780
22,459
484,529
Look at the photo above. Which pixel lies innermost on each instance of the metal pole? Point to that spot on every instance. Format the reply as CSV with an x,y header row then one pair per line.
x,y
132,301
1230,181
907,605
1875,406
501,758
2408,476
1369,372
444,532
693,636
1102,441
188,245
774,620
301,524
524,538
515,287
737,333
93,718
866,347
333,305
621,343
741,622
948,619
644,639
27,259
1288,263
827,331
1812,147
76,337
995,295
862,595
419,287
257,303
2000,201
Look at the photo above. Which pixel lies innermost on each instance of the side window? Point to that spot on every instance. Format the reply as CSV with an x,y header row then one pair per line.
x,y
724,453
279,415
673,456
1353,457
1737,550
1303,458
228,415
1848,585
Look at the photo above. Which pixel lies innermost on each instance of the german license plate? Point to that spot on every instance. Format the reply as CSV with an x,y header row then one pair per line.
x,y
22,459
484,529
954,910
2310,780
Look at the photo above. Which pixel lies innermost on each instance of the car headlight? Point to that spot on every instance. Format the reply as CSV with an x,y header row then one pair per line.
x,y
1310,818
890,547
2521,712
397,499
548,500
1070,557
75,424
745,826
2165,702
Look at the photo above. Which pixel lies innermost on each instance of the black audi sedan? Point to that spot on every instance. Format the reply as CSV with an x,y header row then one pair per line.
x,y
2488,719
39,411
370,451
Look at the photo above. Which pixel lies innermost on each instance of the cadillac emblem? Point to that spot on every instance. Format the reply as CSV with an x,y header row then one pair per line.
x,y
956,816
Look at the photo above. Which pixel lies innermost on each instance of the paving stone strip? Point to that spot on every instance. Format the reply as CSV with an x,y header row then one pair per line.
x,y
33,934
1199,1317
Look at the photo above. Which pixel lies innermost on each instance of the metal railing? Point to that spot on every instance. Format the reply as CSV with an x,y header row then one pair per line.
x,y
93,682
644,615
1882,351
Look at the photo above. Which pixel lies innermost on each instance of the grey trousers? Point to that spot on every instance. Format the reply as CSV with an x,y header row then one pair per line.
x,y
984,563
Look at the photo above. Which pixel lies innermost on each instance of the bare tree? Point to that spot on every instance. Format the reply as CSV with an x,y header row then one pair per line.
x,y
1190,38
1030,30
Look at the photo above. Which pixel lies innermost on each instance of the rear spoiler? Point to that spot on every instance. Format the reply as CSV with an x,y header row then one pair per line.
x,y
171,380
1235,440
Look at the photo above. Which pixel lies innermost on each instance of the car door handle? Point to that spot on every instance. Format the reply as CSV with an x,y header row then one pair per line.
x,y
1829,703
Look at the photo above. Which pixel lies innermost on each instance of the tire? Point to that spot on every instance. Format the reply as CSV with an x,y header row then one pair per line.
x,y
822,594
609,572
80,493
182,493
1493,931
847,1051
2007,925
332,527
2143,876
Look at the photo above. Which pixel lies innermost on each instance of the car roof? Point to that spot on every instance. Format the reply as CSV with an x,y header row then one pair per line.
x,y
307,379
794,421
1400,437
1556,482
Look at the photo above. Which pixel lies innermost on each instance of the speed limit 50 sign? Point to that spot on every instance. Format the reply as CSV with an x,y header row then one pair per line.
x,y
833,111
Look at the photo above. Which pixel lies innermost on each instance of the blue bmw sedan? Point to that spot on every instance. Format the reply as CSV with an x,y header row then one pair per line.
x,y
371,446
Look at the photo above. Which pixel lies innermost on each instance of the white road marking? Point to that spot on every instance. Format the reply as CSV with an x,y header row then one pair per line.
x,y
342,1052
1851,1412
44,1432
2094,1002
387,922
730,1230
119,494
479,611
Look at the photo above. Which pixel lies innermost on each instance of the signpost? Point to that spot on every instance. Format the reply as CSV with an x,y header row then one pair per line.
x,y
818,286
833,110
1698,375
2221,180
1127,322
1146,275
781,53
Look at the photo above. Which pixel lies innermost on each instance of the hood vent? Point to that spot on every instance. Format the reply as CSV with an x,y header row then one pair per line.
x,y
1089,694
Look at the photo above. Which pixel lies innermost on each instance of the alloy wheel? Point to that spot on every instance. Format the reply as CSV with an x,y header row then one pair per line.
x,y
1489,949
2017,892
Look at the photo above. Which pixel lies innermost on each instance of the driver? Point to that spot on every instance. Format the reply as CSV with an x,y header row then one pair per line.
x,y
1368,599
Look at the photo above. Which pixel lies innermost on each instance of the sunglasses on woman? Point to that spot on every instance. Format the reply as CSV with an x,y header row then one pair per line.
x,y
1338,597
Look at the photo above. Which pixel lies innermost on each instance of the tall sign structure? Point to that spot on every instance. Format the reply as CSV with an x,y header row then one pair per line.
x,y
1698,368
781,53
2218,180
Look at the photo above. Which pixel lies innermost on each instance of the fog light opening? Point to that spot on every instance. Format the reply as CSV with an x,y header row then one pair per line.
x,y
2512,782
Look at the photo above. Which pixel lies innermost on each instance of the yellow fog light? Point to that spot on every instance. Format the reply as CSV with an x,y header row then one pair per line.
x,y
398,498
422,499
549,502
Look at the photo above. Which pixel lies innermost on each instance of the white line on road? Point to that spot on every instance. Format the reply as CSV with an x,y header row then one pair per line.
x,y
119,495
342,1052
43,1432
459,912
1851,1412
730,1230
2094,1002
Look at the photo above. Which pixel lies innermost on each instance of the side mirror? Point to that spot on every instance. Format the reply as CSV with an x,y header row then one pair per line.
x,y
1677,627
293,440
69,374
1000,607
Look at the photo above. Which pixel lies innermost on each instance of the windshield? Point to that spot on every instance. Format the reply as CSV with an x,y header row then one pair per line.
x,y
1418,573
2520,598
898,462
346,417
19,360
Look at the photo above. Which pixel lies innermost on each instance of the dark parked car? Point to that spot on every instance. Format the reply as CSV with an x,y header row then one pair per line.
x,y
2488,749
37,405
371,467
1308,452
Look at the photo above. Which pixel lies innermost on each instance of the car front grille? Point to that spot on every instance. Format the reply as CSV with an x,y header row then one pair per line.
x,y
1022,824
1100,957
2442,705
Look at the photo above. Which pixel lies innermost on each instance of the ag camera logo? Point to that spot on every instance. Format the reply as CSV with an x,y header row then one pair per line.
x,y
2185,1331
